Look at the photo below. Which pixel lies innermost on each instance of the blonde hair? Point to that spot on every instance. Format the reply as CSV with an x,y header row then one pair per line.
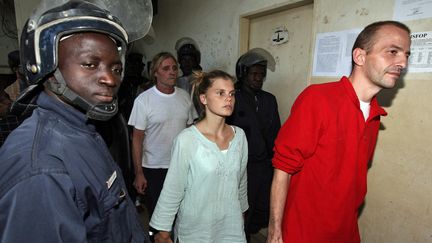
x,y
157,61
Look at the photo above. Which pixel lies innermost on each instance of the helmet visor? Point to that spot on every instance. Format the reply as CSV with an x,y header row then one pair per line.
x,y
258,55
135,15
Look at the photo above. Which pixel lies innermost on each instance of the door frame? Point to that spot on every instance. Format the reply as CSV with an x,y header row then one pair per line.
x,y
245,19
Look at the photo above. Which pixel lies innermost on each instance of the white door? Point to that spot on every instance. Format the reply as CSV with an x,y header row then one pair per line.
x,y
292,58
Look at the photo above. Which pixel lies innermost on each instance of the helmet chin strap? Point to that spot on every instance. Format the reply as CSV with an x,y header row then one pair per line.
x,y
101,112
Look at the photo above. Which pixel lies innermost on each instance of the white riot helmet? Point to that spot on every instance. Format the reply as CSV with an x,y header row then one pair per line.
x,y
255,56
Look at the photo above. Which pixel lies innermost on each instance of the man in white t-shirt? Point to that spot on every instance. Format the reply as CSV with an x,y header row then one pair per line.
x,y
158,115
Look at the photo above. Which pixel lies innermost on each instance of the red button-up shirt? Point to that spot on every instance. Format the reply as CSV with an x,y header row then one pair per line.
x,y
326,145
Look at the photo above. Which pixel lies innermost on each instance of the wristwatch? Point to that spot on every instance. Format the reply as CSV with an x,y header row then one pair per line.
x,y
153,231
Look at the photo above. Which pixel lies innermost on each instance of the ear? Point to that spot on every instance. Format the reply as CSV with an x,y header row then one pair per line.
x,y
51,79
203,99
359,56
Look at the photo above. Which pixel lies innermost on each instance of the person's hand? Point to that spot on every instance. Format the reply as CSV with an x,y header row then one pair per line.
x,y
140,183
274,235
163,237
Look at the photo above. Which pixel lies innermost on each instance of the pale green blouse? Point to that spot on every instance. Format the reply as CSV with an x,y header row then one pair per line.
x,y
206,188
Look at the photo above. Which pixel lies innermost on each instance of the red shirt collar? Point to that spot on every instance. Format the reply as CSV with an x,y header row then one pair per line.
x,y
376,109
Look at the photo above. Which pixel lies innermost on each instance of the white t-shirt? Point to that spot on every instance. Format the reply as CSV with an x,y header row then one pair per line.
x,y
162,117
365,108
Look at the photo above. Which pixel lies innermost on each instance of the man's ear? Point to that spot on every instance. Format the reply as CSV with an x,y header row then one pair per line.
x,y
359,56
54,85
51,78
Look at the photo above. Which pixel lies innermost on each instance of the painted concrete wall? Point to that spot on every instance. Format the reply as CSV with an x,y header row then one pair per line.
x,y
398,206
213,24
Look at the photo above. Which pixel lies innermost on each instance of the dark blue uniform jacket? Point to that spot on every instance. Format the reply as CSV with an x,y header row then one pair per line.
x,y
59,183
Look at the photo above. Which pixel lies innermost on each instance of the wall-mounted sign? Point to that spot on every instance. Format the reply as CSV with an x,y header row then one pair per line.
x,y
420,60
280,35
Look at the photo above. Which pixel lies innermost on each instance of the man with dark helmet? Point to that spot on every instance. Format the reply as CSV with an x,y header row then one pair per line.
x,y
59,182
189,58
256,112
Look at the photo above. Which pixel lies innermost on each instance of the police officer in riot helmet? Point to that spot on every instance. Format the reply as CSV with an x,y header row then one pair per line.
x,y
256,112
60,183
188,55
189,58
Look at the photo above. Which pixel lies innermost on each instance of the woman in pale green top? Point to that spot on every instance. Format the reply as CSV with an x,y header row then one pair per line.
x,y
206,184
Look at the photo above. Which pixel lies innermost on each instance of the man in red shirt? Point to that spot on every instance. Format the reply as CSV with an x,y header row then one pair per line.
x,y
323,149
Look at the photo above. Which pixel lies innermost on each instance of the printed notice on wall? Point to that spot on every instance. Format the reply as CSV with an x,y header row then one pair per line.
x,y
421,52
332,56
412,9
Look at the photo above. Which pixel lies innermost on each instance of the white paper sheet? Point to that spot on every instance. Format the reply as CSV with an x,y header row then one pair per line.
x,y
332,55
421,52
412,9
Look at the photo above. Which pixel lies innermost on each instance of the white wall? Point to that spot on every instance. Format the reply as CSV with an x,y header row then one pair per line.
x,y
213,24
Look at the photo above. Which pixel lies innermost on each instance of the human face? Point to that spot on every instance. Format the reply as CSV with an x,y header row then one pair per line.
x,y
255,77
187,64
91,66
219,98
166,73
388,57
134,66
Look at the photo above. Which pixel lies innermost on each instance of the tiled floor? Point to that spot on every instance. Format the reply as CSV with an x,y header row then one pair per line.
x,y
259,237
